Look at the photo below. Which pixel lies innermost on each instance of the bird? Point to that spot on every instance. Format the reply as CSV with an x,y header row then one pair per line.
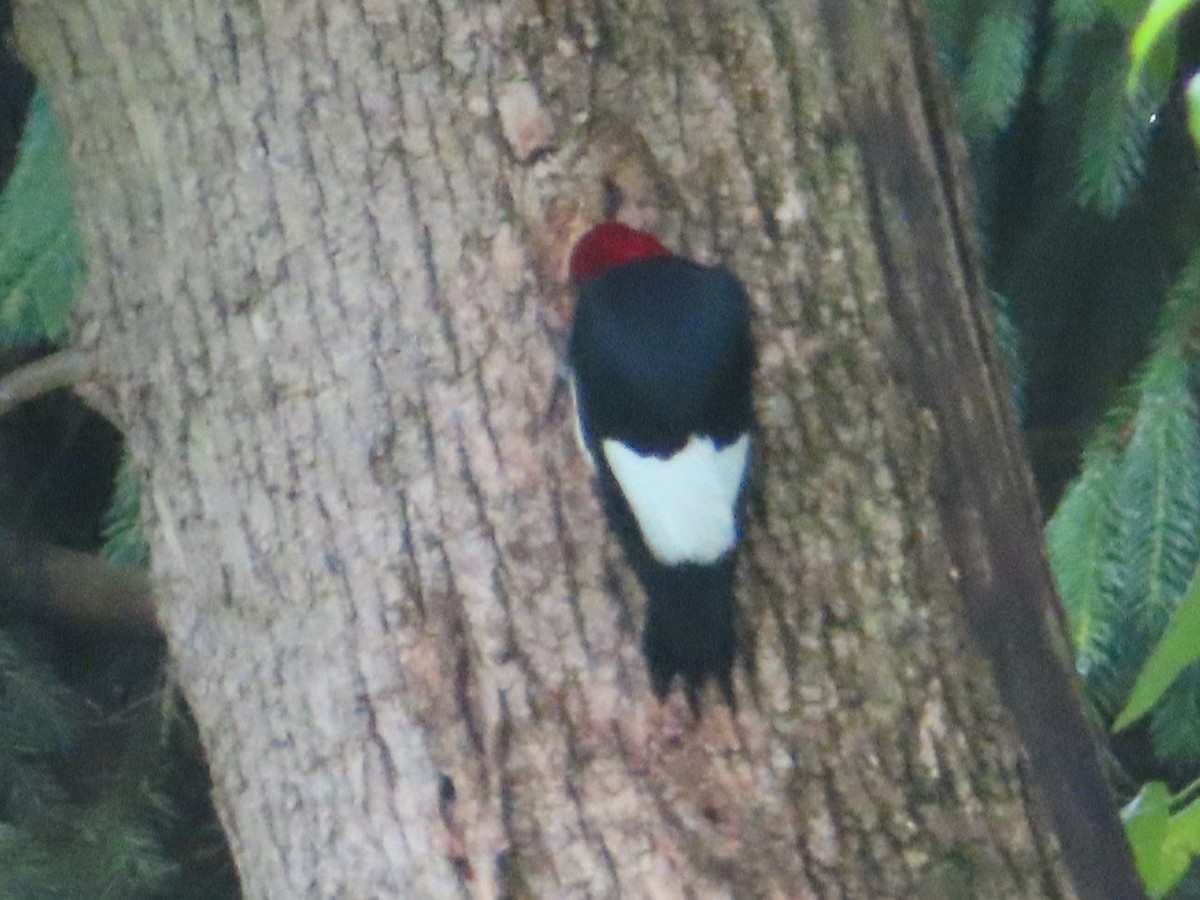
x,y
661,367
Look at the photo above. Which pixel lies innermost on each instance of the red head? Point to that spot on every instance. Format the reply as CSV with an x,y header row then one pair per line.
x,y
611,244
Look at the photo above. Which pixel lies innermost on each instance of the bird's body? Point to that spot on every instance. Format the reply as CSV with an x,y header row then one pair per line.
x,y
662,364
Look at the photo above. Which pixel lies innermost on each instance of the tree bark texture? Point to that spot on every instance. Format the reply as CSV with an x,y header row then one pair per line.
x,y
327,248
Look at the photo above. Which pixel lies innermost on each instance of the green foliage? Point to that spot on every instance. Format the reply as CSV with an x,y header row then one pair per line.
x,y
40,268
1008,341
56,840
1113,142
124,544
1193,109
998,62
1125,541
1124,544
1076,541
1085,152
34,718
1147,819
990,49
1167,687
1077,15
1179,648
41,261
1161,16
1159,850
90,798
1164,843
1157,500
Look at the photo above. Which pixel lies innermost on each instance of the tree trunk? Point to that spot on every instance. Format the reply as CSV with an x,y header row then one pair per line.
x,y
326,245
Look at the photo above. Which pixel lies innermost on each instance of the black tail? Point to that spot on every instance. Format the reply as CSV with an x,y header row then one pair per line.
x,y
690,626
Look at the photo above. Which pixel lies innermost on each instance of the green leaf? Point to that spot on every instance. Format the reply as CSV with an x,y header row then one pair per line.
x,y
1113,142
1174,722
1077,537
1147,821
124,543
25,865
1179,647
1151,553
1059,68
113,849
1182,843
1158,495
34,715
1179,321
1193,109
1163,844
1077,15
951,24
1138,618
1008,342
41,257
999,60
1160,16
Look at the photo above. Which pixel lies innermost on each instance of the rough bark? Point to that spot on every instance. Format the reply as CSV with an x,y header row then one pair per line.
x,y
326,246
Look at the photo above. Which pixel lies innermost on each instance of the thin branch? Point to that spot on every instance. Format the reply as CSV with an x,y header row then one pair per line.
x,y
62,369
82,589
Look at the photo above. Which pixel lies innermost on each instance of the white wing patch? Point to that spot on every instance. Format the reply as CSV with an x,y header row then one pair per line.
x,y
685,504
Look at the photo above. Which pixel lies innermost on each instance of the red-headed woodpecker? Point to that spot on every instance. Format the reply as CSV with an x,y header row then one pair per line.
x,y
662,363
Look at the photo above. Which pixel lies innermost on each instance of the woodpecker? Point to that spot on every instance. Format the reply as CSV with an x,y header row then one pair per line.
x,y
662,363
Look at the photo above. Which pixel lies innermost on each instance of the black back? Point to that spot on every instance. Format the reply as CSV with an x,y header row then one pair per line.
x,y
661,350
